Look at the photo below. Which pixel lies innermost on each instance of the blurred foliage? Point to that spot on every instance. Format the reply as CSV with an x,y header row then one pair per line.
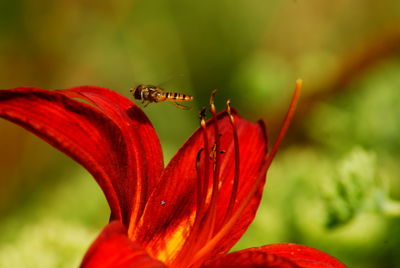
x,y
354,187
48,243
339,164
368,117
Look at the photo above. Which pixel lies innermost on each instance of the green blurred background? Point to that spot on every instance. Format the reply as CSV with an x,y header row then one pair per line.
x,y
335,183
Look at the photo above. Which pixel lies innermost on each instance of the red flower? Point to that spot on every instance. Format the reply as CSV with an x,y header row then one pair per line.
x,y
188,214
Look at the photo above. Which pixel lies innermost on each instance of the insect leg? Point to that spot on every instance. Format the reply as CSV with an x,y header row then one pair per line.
x,y
180,106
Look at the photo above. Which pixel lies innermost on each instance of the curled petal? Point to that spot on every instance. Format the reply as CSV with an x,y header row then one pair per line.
x,y
113,249
79,130
144,155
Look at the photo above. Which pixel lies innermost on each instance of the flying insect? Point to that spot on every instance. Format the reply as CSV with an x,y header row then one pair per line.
x,y
148,94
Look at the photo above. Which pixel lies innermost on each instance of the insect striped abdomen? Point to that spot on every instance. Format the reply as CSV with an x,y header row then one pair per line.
x,y
173,96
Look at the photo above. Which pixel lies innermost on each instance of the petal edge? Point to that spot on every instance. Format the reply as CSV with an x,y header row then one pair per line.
x,y
113,249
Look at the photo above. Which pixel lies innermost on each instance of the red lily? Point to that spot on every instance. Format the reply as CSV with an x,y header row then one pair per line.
x,y
188,214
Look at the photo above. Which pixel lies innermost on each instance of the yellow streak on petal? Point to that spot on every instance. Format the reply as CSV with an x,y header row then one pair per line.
x,y
173,243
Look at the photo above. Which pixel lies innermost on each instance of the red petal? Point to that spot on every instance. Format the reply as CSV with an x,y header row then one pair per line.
x,y
144,160
81,131
303,256
249,258
169,214
113,249
277,255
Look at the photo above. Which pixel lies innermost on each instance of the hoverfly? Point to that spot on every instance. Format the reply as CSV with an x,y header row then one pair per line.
x,y
149,93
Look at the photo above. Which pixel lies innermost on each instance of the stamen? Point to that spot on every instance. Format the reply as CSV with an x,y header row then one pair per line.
x,y
212,98
199,189
209,217
286,122
206,152
212,211
232,220
198,158
228,110
193,241
235,183
202,184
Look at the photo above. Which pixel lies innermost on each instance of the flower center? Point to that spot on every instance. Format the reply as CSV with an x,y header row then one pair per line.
x,y
206,233
205,226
